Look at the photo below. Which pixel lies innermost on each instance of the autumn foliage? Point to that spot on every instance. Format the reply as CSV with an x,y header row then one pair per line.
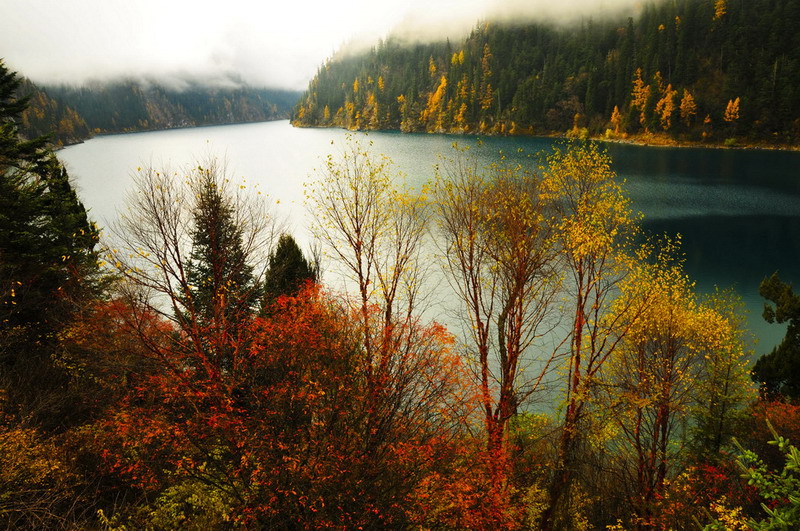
x,y
215,382
285,440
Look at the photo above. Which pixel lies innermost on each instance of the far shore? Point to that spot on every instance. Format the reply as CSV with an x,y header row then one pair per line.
x,y
648,140
667,142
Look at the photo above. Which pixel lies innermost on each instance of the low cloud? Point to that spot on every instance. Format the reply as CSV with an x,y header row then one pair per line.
x,y
455,20
267,44
562,11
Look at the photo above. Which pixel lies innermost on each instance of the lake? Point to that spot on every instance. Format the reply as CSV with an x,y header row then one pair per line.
x,y
737,210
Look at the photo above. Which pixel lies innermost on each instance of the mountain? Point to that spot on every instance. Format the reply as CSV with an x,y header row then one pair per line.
x,y
695,70
74,113
47,116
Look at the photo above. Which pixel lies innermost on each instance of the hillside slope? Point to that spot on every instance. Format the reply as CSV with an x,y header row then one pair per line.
x,y
684,69
72,114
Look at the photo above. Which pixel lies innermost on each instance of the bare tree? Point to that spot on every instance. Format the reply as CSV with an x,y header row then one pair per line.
x,y
188,248
501,262
375,232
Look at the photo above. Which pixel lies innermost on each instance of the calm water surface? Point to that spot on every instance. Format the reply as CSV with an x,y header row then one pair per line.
x,y
738,211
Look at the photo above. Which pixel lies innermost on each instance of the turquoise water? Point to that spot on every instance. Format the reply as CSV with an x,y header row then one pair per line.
x,y
738,211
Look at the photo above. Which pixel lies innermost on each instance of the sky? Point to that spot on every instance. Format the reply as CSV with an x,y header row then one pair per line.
x,y
269,43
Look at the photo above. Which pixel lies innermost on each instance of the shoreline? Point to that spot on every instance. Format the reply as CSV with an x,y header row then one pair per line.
x,y
657,142
649,140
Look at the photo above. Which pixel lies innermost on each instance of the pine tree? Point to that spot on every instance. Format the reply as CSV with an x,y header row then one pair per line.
x,y
224,291
640,95
732,111
47,262
288,271
616,120
779,371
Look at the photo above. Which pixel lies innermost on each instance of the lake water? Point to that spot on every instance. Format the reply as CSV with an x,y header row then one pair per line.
x,y
738,211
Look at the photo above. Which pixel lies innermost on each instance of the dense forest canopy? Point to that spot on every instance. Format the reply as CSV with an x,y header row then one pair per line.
x,y
686,69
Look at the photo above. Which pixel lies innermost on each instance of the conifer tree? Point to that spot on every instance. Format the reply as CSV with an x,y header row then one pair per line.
x,y
288,271
779,371
224,292
47,261
688,108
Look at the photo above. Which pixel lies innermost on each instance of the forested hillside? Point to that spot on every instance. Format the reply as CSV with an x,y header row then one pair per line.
x,y
74,113
683,69
47,116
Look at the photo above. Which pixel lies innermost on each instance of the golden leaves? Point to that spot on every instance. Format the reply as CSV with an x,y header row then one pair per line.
x,y
688,108
731,111
720,9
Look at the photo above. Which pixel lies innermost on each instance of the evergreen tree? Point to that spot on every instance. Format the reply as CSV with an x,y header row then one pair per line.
x,y
224,291
47,263
288,271
779,371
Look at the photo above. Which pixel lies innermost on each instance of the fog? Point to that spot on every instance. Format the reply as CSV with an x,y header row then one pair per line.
x,y
438,20
268,44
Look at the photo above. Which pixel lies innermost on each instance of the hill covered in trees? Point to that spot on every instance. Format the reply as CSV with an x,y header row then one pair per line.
x,y
72,114
692,70
47,116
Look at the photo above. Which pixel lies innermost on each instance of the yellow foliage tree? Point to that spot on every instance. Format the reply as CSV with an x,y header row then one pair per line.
x,y
500,258
595,227
731,111
36,481
616,120
375,232
665,107
406,120
658,82
640,95
487,92
461,107
682,357
720,8
688,108
432,115
651,377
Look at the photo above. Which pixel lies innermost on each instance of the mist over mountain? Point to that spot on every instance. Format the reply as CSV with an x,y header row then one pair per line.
x,y
433,22
267,45
693,70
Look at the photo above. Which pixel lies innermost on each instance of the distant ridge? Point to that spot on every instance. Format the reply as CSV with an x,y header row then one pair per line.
x,y
72,114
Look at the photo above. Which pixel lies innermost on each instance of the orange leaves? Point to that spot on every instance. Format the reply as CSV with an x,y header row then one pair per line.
x,y
731,111
640,95
295,432
616,120
688,108
720,9
432,114
665,107
467,496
